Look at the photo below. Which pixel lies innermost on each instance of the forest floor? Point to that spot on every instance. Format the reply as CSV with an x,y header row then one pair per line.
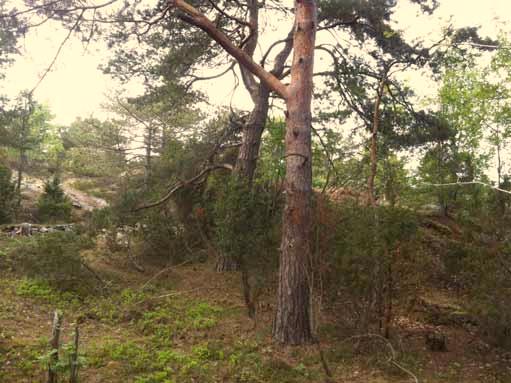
x,y
189,325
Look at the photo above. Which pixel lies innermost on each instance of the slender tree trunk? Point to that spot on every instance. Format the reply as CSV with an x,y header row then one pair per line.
x,y
371,195
499,166
292,323
149,137
21,165
21,169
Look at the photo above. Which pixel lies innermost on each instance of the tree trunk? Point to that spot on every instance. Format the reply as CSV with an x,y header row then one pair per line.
x,y
251,138
371,194
292,323
21,168
149,137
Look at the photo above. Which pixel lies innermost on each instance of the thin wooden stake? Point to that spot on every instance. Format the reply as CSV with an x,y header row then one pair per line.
x,y
54,344
73,378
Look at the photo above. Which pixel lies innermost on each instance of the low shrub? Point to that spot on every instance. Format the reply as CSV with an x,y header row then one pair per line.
x,y
55,258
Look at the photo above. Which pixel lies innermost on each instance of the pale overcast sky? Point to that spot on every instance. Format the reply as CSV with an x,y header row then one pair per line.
x,y
76,87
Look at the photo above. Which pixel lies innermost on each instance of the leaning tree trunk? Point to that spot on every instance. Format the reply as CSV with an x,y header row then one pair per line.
x,y
251,139
292,323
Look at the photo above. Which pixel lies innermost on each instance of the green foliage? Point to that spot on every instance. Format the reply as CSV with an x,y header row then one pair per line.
x,y
271,164
34,288
485,273
55,258
54,205
367,256
27,124
7,194
159,361
246,224
91,138
66,362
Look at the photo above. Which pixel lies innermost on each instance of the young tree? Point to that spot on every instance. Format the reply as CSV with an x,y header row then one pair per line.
x,y
26,126
54,205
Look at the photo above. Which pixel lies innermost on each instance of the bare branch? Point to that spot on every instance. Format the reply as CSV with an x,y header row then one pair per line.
x,y
48,69
469,183
183,184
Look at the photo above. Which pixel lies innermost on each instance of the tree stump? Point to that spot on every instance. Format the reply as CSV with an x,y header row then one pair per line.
x,y
436,341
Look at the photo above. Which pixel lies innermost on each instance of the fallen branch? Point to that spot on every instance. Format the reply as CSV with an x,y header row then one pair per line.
x,y
160,273
88,268
176,293
469,183
324,364
393,354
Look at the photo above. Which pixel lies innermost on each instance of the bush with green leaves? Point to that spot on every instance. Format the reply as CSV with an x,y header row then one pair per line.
x,y
485,275
246,224
366,258
7,194
53,205
55,258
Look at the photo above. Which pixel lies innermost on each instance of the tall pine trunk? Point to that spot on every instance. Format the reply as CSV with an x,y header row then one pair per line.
x,y
292,323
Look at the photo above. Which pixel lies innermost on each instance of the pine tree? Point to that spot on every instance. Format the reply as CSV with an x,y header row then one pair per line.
x,y
54,205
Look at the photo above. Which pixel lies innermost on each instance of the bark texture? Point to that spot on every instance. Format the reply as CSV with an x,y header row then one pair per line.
x,y
292,323
246,161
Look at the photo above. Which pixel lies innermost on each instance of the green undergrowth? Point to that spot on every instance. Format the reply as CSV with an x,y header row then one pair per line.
x,y
148,337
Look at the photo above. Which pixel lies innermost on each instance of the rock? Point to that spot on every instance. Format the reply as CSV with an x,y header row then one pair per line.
x,y
76,204
25,229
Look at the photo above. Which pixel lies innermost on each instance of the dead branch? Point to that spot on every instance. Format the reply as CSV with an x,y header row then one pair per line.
x,y
163,271
392,351
57,54
183,184
468,183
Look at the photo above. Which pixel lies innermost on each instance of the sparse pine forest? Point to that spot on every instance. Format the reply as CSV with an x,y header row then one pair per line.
x,y
272,191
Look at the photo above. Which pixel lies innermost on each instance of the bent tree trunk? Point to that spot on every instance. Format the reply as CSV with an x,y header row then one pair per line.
x,y
292,323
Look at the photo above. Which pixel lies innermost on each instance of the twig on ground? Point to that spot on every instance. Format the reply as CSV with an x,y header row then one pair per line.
x,y
393,354
159,273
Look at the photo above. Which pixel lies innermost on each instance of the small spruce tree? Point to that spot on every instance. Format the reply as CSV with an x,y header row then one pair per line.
x,y
54,205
